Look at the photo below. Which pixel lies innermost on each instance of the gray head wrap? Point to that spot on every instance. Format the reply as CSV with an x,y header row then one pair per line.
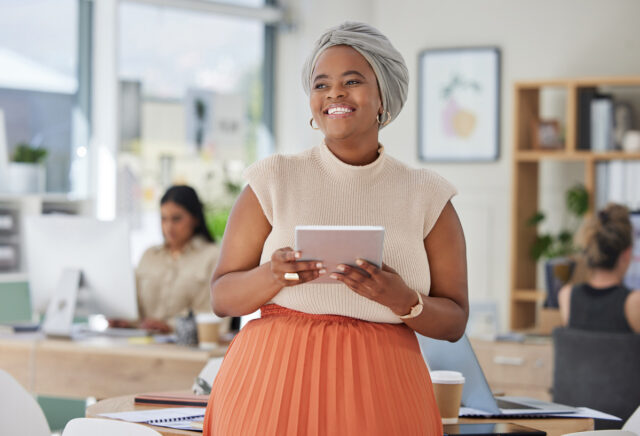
x,y
387,63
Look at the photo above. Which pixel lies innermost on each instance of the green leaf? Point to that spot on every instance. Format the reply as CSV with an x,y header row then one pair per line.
x,y
216,222
536,219
233,188
541,246
27,154
578,200
565,237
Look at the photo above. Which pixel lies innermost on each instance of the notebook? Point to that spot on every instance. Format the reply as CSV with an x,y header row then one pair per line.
x,y
334,245
172,399
175,417
476,394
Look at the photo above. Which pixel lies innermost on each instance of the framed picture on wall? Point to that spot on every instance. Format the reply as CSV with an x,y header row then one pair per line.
x,y
459,105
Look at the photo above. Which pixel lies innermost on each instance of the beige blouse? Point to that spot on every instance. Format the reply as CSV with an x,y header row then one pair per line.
x,y
316,188
169,286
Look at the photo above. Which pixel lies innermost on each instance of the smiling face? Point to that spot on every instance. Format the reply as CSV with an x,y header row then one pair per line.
x,y
345,99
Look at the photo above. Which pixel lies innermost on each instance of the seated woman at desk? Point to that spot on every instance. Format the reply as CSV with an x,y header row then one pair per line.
x,y
173,278
603,303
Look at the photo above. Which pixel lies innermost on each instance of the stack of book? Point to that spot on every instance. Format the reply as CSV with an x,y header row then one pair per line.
x,y
595,120
618,182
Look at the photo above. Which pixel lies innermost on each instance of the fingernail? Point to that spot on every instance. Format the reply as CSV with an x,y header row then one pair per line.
x,y
297,255
359,261
334,276
340,268
322,271
319,265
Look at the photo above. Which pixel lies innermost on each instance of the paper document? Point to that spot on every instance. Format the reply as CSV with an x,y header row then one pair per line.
x,y
581,412
159,416
585,412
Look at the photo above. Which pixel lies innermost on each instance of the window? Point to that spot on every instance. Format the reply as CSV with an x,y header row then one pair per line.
x,y
191,105
39,86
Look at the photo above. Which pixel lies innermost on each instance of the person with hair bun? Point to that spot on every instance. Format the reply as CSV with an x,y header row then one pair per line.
x,y
603,303
339,358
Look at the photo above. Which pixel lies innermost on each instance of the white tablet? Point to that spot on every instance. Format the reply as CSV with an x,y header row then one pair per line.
x,y
334,245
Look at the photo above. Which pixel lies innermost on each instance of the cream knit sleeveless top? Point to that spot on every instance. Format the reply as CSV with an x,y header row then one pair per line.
x,y
316,188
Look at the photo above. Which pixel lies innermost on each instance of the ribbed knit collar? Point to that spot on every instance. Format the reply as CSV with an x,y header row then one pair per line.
x,y
342,170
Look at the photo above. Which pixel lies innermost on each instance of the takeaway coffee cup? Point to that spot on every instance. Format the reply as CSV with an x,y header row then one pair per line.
x,y
208,330
447,386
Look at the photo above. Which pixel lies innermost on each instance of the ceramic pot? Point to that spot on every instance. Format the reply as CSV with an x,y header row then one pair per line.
x,y
558,272
26,178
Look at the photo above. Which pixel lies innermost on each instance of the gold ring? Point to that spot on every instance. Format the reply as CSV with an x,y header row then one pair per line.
x,y
291,276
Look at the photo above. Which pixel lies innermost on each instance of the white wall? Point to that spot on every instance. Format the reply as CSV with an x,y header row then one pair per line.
x,y
537,38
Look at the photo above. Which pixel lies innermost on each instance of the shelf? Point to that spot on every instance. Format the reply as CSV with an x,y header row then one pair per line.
x,y
529,96
13,277
608,81
536,155
585,82
529,295
610,155
536,84
47,197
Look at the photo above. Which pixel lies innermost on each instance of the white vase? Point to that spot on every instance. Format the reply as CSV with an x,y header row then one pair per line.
x,y
631,141
26,178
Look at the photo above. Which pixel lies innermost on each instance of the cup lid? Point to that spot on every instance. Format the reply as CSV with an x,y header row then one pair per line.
x,y
207,317
447,377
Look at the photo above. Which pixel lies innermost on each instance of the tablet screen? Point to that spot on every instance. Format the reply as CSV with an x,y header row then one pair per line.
x,y
334,245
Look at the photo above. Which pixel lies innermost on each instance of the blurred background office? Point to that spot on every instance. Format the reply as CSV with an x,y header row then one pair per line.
x,y
129,97
104,104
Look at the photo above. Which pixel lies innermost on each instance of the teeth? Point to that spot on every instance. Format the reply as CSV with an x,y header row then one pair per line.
x,y
339,110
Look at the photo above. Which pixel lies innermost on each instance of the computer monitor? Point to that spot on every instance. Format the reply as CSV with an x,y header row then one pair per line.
x,y
78,259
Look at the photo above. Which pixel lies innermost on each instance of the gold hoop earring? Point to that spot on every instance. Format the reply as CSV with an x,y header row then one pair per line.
x,y
311,124
387,121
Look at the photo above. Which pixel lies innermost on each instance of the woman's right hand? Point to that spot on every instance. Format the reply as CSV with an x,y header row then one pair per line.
x,y
122,323
285,260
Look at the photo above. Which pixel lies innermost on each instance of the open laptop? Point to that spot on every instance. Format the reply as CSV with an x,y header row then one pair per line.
x,y
476,394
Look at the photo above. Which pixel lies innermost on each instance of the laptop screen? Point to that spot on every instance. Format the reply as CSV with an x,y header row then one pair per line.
x,y
459,356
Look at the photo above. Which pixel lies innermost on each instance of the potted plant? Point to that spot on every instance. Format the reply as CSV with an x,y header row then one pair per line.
x,y
26,171
217,212
558,248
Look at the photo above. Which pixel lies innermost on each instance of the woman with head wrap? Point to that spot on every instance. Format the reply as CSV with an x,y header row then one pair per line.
x,y
603,302
339,357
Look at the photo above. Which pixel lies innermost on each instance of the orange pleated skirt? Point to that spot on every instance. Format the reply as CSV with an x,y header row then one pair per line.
x,y
291,373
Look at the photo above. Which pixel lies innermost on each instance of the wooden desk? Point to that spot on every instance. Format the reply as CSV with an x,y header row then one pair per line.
x,y
553,426
99,367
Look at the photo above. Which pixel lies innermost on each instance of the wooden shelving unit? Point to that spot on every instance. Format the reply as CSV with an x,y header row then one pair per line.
x,y
525,293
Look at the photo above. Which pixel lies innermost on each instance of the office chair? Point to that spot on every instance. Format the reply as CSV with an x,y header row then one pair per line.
x,y
106,427
20,412
597,370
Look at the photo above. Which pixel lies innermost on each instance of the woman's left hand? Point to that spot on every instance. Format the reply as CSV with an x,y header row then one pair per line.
x,y
383,285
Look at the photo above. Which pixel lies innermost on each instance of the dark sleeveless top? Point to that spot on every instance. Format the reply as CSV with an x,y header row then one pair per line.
x,y
599,309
